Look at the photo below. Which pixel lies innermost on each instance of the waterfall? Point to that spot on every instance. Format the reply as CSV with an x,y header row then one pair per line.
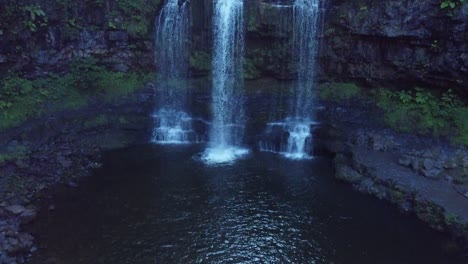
x,y
228,115
172,124
293,137
305,47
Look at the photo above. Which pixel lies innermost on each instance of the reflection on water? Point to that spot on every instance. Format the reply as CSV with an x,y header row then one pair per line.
x,y
159,204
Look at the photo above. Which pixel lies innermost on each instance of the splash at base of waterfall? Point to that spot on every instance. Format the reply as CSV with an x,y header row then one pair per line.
x,y
228,123
291,138
173,127
223,155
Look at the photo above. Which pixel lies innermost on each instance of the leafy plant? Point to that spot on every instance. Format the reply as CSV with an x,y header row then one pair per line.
x,y
422,112
451,4
13,86
16,18
37,17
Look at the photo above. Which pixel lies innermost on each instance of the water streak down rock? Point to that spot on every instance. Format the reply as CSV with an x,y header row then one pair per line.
x,y
228,111
298,126
172,124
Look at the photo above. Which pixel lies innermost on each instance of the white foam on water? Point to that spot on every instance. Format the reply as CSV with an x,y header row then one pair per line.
x,y
298,143
228,123
223,155
173,127
293,137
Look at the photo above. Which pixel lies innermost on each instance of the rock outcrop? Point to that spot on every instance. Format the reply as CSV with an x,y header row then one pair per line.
x,y
394,43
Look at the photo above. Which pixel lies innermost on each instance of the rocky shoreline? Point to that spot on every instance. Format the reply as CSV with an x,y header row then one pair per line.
x,y
58,150
422,176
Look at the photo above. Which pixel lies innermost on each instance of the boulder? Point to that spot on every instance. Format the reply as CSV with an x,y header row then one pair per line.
x,y
348,174
15,209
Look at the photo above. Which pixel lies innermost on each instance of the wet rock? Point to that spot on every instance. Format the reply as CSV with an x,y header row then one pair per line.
x,y
72,184
376,142
21,164
33,249
4,259
449,178
464,162
405,161
405,206
27,216
15,209
348,174
415,164
432,173
368,186
118,36
64,162
21,242
3,58
120,67
428,164
450,164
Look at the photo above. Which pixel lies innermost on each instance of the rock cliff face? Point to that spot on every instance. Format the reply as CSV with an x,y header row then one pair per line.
x,y
43,36
402,43
395,43
390,43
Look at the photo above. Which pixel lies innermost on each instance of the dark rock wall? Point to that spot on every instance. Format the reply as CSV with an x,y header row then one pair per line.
x,y
115,32
379,43
403,43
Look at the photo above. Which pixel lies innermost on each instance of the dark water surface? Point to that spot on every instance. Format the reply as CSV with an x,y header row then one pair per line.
x,y
157,204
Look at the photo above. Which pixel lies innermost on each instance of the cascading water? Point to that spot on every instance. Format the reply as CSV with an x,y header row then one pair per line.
x,y
172,124
294,140
305,47
228,115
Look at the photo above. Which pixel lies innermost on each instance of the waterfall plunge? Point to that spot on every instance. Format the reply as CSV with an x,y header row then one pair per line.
x,y
228,115
293,137
172,124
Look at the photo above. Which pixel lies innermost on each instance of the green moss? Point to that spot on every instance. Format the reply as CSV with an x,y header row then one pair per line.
x,y
419,111
338,92
431,214
21,99
451,219
42,95
397,196
460,119
135,16
19,112
18,153
117,84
